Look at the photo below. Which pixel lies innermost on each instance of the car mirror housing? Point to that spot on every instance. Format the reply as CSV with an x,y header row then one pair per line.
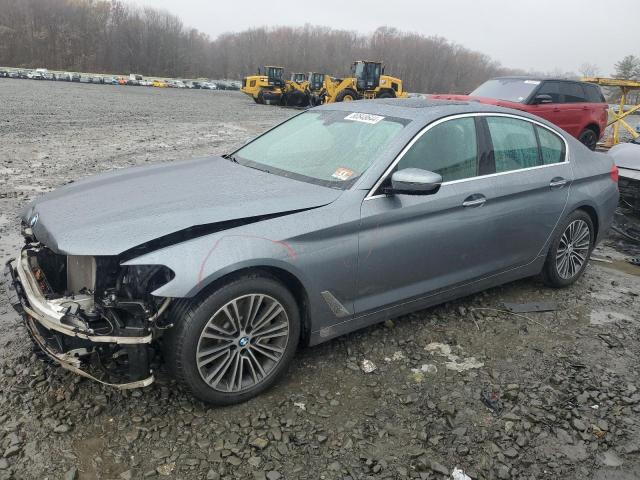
x,y
542,99
415,181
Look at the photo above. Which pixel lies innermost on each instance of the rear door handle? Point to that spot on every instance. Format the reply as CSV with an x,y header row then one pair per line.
x,y
558,182
475,200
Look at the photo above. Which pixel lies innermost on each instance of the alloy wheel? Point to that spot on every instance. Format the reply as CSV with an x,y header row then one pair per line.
x,y
573,249
242,343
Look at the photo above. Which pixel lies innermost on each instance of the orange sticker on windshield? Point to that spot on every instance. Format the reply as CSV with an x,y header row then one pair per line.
x,y
343,173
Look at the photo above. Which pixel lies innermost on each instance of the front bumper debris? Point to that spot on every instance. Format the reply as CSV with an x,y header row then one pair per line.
x,y
72,347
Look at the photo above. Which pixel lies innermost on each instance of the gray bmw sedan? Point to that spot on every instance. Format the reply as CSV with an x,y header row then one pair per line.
x,y
340,217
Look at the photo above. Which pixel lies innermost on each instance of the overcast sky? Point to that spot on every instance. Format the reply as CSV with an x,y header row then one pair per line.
x,y
541,35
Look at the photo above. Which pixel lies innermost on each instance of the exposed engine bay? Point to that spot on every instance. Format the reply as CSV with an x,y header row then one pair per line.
x,y
91,314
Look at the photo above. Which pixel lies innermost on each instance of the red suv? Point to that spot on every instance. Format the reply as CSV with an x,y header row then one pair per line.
x,y
577,107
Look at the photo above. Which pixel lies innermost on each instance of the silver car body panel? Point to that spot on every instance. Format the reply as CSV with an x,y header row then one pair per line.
x,y
627,158
110,213
360,257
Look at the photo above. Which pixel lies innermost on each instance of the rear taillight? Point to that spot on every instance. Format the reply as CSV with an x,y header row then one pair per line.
x,y
614,173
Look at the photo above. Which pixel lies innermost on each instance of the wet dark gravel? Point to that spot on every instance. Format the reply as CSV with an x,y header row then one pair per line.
x,y
551,395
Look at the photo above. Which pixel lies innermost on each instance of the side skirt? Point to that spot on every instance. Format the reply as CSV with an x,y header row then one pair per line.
x,y
358,322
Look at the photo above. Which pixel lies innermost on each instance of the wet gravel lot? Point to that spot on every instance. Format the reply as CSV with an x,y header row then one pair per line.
x,y
537,396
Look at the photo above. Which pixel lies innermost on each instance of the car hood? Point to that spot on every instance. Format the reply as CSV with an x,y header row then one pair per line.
x,y
111,213
626,155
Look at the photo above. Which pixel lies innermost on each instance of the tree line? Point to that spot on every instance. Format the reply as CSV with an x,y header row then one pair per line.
x,y
101,36
111,36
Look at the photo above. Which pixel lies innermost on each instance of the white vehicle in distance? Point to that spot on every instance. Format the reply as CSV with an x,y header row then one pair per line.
x,y
37,74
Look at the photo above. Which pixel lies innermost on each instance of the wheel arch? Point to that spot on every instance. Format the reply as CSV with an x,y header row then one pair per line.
x,y
593,126
593,214
289,279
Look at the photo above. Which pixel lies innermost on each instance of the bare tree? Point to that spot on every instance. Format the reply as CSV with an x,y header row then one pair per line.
x,y
589,70
115,37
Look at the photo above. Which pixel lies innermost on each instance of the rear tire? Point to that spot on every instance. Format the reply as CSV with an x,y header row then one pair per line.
x,y
296,99
569,251
346,95
260,98
589,138
225,348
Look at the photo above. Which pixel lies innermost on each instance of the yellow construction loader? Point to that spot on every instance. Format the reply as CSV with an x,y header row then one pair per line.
x,y
367,81
298,77
265,87
271,88
315,87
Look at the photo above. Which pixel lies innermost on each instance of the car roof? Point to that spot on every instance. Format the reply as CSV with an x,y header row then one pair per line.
x,y
420,109
538,79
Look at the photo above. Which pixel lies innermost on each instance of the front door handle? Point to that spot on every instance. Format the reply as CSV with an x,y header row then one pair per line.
x,y
558,182
475,200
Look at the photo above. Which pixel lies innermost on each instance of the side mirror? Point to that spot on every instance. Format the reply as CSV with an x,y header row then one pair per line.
x,y
415,181
539,99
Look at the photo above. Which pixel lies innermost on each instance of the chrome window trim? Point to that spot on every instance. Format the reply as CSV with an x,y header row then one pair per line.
x,y
386,173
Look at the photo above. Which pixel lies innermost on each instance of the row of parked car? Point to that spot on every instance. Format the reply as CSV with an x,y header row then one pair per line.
x,y
131,80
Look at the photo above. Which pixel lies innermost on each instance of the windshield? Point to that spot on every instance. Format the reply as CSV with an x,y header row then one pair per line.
x,y
509,89
328,148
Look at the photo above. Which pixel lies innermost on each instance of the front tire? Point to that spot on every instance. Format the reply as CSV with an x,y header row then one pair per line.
x,y
230,344
569,251
346,95
589,138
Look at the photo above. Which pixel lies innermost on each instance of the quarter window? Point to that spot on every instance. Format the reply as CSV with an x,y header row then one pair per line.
x,y
594,94
449,149
551,146
514,143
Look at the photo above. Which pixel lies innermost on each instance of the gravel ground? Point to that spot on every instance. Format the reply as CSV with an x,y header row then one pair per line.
x,y
537,396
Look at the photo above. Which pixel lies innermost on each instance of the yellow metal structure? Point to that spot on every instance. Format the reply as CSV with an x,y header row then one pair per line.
x,y
617,118
367,82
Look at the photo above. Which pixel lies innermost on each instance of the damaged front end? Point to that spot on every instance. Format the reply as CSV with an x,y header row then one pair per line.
x,y
92,315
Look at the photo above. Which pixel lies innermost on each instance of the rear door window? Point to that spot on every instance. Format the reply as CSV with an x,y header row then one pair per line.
x,y
553,90
552,147
449,149
514,143
573,92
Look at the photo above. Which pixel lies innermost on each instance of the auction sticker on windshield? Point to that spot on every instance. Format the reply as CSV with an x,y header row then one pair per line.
x,y
343,173
364,118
